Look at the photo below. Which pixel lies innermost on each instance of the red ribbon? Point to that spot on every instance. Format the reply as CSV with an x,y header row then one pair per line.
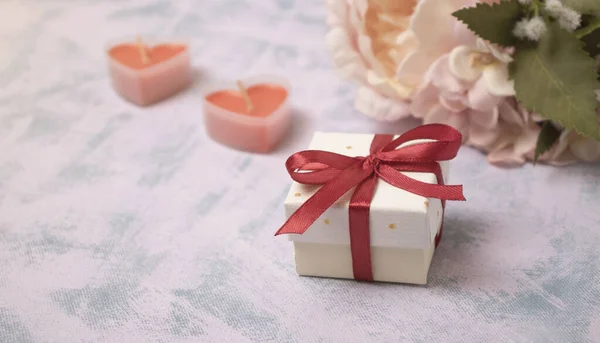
x,y
338,174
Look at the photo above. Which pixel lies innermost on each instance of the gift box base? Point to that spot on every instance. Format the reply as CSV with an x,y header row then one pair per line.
x,y
389,264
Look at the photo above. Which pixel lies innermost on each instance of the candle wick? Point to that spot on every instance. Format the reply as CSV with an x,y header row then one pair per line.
x,y
142,50
249,105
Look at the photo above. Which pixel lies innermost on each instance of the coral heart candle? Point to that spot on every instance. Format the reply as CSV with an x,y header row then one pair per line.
x,y
253,115
145,74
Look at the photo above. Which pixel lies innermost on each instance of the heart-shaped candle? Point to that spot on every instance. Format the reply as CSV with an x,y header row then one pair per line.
x,y
253,118
145,74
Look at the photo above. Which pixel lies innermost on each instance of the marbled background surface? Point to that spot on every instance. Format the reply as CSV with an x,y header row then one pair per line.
x,y
123,224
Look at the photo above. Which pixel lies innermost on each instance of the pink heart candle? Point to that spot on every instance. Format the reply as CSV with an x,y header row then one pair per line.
x,y
252,119
145,74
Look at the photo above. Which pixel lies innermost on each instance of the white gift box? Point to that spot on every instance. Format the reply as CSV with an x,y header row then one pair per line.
x,y
403,225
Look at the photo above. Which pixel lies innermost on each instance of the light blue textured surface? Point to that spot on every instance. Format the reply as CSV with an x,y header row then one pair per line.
x,y
122,224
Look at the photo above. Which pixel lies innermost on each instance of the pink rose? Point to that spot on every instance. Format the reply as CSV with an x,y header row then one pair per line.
x,y
387,47
476,105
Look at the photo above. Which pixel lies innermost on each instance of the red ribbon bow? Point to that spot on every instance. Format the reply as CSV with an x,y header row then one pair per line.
x,y
338,174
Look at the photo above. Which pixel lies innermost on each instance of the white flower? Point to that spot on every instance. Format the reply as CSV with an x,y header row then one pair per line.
x,y
536,28
525,2
568,18
519,30
485,62
553,6
532,29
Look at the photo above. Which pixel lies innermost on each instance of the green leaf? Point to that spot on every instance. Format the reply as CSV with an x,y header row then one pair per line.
x,y
583,6
494,22
588,27
592,43
547,138
589,34
557,79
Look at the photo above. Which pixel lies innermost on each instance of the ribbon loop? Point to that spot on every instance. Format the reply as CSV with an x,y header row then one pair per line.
x,y
307,157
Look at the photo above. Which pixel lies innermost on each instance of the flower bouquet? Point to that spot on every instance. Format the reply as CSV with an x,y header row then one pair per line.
x,y
517,77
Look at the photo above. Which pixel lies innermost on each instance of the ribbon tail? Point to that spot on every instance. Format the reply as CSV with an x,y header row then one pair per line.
x,y
429,190
434,168
360,234
314,207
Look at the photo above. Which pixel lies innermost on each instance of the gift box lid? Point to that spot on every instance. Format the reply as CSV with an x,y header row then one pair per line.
x,y
397,218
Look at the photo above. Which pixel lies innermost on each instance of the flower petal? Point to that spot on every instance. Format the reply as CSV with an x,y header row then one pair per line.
x,y
380,107
404,8
496,51
405,43
505,139
514,145
433,23
506,158
482,46
453,104
485,119
336,12
424,100
463,35
361,6
388,87
482,137
564,159
439,114
509,114
559,147
460,64
348,62
497,80
585,149
481,99
412,70
434,40
560,154
527,140
364,47
442,77
356,14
